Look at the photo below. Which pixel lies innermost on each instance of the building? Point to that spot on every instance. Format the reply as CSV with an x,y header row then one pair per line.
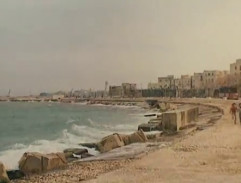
x,y
235,68
177,83
213,79
197,81
129,89
45,94
115,91
154,86
166,82
186,82
235,74
57,97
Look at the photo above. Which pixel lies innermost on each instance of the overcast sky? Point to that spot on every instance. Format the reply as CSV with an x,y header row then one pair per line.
x,y
50,45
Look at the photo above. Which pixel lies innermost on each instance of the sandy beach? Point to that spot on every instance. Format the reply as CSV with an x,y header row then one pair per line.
x,y
208,155
211,155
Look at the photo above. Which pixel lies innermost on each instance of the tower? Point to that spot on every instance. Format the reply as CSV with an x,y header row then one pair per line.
x,y
106,88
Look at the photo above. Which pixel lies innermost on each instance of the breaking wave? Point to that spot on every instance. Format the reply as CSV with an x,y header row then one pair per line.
x,y
71,125
11,156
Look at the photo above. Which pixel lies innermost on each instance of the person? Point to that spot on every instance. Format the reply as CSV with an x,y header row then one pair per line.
x,y
239,111
233,111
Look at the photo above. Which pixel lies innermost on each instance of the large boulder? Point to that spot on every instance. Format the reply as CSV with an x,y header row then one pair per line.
x,y
110,142
3,174
37,163
138,137
125,139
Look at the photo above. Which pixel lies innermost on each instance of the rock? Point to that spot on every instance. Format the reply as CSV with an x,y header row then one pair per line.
x,y
89,145
117,140
125,139
138,136
15,174
148,127
154,136
152,102
86,155
37,163
110,142
3,174
150,115
77,151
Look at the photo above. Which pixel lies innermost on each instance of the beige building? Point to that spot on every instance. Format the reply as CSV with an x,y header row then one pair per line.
x,y
235,74
125,90
57,97
129,89
186,82
153,86
166,82
115,91
177,83
235,68
197,81
214,79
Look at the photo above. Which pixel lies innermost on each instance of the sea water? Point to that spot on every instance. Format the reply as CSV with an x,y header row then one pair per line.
x,y
53,127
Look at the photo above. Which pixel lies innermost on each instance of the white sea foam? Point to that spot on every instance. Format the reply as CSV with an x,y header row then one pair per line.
x,y
86,132
114,128
70,121
11,156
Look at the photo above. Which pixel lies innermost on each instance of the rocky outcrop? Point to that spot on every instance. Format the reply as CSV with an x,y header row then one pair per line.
x,y
37,163
3,174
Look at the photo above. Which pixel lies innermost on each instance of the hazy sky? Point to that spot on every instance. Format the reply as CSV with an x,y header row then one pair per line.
x,y
49,45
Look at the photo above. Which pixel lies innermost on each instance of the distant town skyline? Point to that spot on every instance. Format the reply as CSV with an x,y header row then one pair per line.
x,y
59,45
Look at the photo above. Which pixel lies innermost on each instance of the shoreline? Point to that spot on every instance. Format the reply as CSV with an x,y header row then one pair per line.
x,y
44,141
172,139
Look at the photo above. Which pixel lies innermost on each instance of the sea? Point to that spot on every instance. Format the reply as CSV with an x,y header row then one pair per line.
x,y
53,127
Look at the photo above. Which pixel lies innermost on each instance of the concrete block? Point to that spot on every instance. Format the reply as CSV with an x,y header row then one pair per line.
x,y
174,120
